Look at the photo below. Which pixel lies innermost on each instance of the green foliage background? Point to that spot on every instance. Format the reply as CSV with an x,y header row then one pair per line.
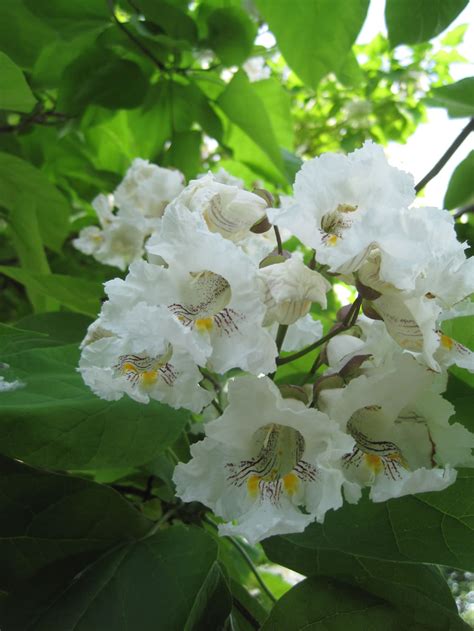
x,y
91,536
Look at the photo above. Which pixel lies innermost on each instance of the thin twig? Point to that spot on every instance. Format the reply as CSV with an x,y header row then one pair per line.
x,y
134,39
156,526
278,238
446,156
316,364
130,490
343,326
254,570
217,406
246,558
149,487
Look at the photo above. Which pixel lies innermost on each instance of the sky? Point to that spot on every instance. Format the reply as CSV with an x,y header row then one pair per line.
x,y
432,138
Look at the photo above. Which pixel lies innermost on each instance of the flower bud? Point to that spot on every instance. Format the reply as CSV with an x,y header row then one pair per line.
x,y
351,369
289,289
367,292
289,391
261,226
327,382
369,311
343,312
264,194
274,258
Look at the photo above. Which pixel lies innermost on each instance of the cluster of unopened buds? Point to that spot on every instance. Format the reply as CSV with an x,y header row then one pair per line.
x,y
212,305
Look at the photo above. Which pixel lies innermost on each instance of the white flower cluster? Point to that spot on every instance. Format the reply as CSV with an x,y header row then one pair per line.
x,y
140,199
215,295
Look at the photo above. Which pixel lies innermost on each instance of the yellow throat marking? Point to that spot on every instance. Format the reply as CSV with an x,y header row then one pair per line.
x,y
204,324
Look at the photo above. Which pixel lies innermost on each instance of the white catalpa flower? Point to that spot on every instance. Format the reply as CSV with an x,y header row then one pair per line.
x,y
147,189
112,367
258,246
224,177
403,440
118,241
342,205
443,280
210,287
226,209
289,288
267,466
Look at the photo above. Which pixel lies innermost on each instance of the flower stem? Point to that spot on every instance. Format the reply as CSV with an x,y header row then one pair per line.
x,y
278,238
349,321
281,334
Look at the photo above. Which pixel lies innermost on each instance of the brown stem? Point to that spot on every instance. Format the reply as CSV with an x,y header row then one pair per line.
x,y
278,238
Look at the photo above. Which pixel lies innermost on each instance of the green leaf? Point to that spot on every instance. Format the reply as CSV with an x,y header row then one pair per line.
x,y
79,294
457,98
277,102
231,34
71,17
238,99
55,421
251,161
316,36
15,93
49,516
427,528
461,330
57,55
27,240
455,36
175,22
171,581
99,76
350,73
415,21
187,105
22,34
63,328
185,153
245,606
116,139
460,393
324,604
461,185
418,591
19,177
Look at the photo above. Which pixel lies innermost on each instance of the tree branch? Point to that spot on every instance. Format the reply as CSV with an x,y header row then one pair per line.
x,y
37,117
464,211
446,156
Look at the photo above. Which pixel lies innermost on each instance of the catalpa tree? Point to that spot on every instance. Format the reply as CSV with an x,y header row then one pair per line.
x,y
236,373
